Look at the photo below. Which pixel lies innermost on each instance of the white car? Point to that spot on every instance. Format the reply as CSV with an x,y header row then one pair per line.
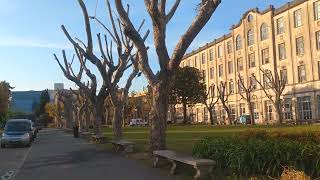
x,y
138,122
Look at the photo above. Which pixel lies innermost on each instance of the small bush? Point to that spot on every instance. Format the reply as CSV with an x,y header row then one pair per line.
x,y
256,156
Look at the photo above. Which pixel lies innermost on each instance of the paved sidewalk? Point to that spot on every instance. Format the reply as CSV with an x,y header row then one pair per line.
x,y
57,155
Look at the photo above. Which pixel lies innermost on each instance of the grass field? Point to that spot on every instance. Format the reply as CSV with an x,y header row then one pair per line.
x,y
182,138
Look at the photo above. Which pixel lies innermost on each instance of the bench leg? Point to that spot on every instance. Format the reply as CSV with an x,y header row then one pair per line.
x,y
203,172
173,167
156,161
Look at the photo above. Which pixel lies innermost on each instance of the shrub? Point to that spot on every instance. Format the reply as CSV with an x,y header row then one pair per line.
x,y
256,156
303,137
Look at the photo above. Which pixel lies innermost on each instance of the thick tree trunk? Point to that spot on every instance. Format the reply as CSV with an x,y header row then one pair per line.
x,y
87,119
159,113
251,113
211,116
185,120
279,116
98,113
117,121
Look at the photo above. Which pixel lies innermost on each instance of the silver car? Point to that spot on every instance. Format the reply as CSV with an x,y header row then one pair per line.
x,y
17,132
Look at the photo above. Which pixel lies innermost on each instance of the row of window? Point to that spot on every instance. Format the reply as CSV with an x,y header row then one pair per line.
x,y
304,109
264,54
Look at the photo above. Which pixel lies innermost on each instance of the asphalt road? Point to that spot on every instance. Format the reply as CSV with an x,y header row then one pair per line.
x,y
57,155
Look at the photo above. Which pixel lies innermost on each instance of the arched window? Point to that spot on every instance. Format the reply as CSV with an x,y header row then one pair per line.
x,y
250,18
250,37
238,42
264,32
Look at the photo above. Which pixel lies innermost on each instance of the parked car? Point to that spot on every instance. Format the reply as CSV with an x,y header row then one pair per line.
x,y
17,132
138,122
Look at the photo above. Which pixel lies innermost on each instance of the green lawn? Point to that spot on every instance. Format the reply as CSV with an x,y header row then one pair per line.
x,y
182,138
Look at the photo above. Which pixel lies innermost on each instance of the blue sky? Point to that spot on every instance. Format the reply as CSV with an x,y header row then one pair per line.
x,y
30,33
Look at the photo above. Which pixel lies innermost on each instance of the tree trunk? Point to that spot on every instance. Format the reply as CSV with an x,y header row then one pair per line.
x,y
117,121
185,120
211,115
251,113
98,113
87,119
279,116
160,112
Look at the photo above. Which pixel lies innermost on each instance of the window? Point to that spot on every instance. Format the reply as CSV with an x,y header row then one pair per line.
x,y
250,18
304,108
195,61
284,75
255,110
265,56
253,82
231,87
319,69
220,70
316,7
250,37
211,73
302,73
280,26
220,51
203,58
299,46
232,112
230,67
240,64
188,62
211,54
267,80
182,64
287,105
238,42
252,61
282,51
229,47
318,105
268,107
242,108
297,18
205,114
318,40
264,32
204,74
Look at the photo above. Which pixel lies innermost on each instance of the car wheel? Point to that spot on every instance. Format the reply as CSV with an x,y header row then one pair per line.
x,y
3,146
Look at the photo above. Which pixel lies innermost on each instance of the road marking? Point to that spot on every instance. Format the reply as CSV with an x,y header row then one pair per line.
x,y
21,164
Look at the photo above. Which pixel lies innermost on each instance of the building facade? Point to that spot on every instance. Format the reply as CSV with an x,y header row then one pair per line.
x,y
284,40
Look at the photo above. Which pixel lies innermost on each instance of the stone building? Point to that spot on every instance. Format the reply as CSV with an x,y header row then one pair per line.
x,y
284,40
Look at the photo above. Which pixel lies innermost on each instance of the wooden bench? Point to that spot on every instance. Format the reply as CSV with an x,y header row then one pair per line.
x,y
98,139
203,167
123,145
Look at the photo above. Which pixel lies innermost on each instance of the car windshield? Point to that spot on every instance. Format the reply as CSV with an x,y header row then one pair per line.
x,y
17,126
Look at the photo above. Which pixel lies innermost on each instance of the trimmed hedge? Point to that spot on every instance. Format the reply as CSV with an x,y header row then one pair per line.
x,y
254,156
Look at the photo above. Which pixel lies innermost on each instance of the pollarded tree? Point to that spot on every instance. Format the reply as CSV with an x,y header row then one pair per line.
x,y
161,83
210,99
224,97
276,83
246,92
188,89
110,72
